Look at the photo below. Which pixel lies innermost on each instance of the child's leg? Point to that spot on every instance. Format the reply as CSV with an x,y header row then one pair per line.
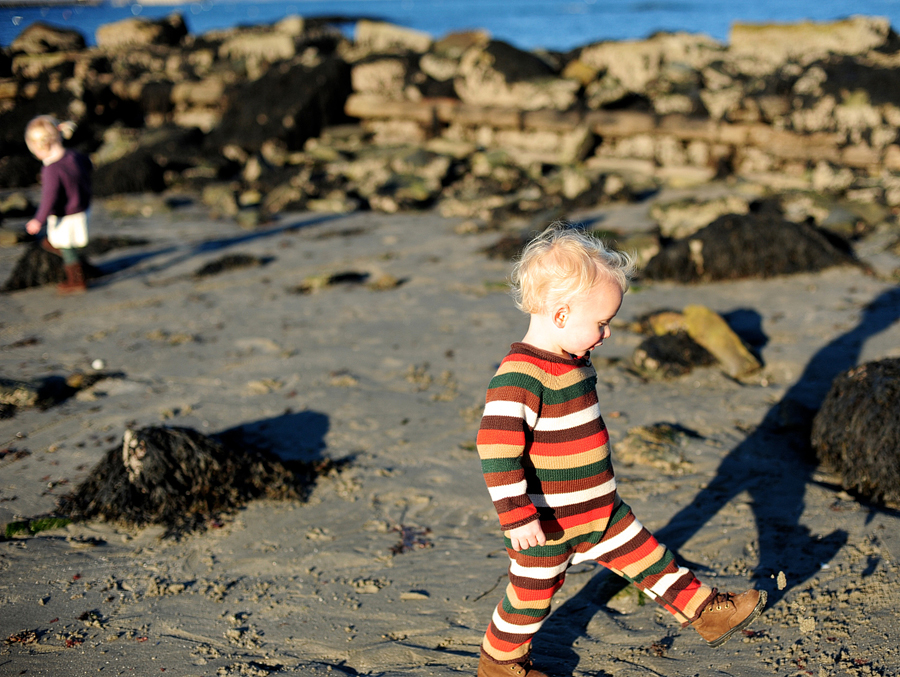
x,y
628,549
533,580
69,256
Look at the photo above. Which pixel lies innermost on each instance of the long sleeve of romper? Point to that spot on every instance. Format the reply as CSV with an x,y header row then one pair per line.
x,y
511,410
50,187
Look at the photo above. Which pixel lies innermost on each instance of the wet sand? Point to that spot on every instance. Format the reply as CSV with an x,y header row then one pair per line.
x,y
394,564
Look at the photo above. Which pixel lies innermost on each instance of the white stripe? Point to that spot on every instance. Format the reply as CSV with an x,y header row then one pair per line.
x,y
537,573
572,497
512,410
605,547
504,626
573,420
666,582
507,490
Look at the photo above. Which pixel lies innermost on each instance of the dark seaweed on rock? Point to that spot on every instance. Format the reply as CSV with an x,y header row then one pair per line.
x,y
182,479
230,262
756,245
670,356
857,431
37,267
107,243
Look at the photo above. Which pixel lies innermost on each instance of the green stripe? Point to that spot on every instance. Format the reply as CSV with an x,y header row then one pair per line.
x,y
620,513
592,537
533,613
489,465
517,380
569,474
657,568
573,392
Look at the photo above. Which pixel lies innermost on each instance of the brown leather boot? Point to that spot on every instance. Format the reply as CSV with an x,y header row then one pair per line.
x,y
488,668
727,613
74,282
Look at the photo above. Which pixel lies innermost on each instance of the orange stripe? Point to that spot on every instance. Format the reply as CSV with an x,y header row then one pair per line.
x,y
499,644
490,436
686,595
541,363
563,523
516,514
635,555
594,441
535,595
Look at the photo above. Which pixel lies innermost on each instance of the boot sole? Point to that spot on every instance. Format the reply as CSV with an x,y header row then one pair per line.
x,y
757,610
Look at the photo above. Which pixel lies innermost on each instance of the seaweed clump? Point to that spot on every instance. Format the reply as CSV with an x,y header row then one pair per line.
x,y
183,480
856,430
760,244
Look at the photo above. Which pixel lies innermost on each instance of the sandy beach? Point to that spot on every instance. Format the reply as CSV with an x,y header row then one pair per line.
x,y
393,565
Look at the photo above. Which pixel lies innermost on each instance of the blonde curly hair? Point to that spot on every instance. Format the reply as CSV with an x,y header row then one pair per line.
x,y
561,263
45,130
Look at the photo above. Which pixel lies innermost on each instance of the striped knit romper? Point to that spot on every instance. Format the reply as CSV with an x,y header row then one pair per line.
x,y
545,455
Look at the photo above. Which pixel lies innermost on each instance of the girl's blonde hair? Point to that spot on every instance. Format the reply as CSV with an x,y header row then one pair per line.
x,y
45,130
561,263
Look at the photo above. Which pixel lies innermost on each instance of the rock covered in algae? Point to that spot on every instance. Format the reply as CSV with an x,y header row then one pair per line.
x,y
181,479
857,430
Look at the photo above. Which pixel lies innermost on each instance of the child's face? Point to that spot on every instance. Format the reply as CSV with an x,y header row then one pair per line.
x,y
585,320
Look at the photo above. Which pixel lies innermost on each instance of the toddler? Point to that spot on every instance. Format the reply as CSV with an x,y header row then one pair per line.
x,y
545,456
65,197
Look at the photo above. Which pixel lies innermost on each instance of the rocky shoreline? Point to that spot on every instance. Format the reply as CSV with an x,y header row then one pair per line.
x,y
296,116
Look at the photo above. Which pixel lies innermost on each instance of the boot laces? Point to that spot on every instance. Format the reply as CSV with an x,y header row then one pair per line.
x,y
721,601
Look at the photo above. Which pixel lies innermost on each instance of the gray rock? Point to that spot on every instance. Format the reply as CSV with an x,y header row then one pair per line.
x,y
169,31
41,38
501,75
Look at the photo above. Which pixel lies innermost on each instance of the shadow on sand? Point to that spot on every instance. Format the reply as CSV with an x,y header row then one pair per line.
x,y
774,465
122,266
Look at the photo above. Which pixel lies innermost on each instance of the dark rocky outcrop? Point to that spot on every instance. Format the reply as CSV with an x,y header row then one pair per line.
x,y
290,104
759,244
138,172
856,431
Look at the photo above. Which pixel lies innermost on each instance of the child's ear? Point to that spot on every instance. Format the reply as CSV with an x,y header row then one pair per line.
x,y
560,317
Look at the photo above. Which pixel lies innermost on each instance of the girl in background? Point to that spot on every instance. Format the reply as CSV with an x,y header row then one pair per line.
x,y
65,197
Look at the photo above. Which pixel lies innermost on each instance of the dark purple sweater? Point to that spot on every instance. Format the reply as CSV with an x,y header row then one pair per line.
x,y
65,186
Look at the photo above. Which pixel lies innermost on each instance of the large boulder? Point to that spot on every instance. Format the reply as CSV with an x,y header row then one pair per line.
x,y
633,64
379,37
268,46
137,32
770,45
19,171
41,38
856,431
501,75
290,104
138,172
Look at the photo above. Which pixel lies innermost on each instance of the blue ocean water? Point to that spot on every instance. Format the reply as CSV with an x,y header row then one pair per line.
x,y
529,24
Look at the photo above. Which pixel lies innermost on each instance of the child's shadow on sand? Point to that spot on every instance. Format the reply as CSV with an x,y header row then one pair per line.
x,y
773,465
292,436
